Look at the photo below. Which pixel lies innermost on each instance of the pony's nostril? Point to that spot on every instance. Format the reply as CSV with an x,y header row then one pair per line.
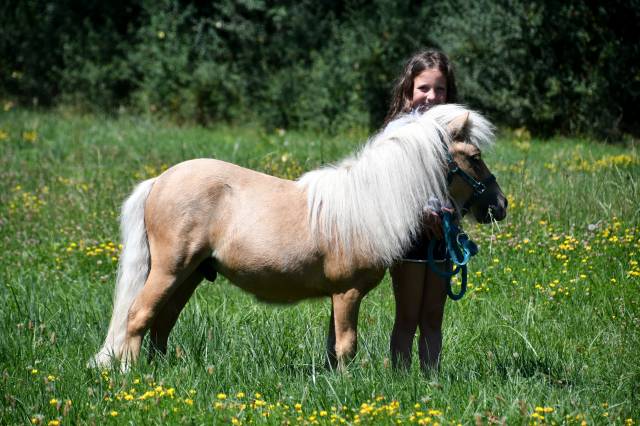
x,y
496,212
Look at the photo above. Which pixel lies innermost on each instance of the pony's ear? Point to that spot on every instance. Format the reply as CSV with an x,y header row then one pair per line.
x,y
459,127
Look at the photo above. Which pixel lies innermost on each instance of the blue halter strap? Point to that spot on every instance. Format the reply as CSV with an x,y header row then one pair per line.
x,y
460,249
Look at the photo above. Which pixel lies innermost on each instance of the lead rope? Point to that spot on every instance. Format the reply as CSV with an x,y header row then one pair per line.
x,y
460,249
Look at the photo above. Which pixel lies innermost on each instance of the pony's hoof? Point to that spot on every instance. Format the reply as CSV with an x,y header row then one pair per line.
x,y
102,359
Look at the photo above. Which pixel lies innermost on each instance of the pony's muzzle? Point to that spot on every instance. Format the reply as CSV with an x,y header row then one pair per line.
x,y
498,211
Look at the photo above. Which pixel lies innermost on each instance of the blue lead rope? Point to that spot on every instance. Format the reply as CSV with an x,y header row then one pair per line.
x,y
460,249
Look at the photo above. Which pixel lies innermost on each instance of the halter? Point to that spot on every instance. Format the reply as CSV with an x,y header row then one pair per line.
x,y
479,188
460,248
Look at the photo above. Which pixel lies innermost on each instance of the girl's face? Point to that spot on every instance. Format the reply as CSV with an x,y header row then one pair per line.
x,y
429,88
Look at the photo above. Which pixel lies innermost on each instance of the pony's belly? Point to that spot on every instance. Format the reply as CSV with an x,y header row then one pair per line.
x,y
277,287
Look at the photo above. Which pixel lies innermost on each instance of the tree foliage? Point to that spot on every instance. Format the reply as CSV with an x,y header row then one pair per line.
x,y
551,66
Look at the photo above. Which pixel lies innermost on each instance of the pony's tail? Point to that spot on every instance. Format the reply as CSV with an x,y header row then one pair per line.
x,y
133,270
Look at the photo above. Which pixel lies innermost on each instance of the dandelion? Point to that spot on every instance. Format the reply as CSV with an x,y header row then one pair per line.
x,y
240,395
30,136
53,423
53,402
221,396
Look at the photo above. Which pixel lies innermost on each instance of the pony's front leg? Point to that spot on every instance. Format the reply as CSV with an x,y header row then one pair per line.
x,y
345,327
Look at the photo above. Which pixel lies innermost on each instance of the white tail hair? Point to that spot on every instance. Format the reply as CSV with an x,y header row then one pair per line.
x,y
370,204
133,269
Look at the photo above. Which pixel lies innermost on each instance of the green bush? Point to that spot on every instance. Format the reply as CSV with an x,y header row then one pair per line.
x,y
552,67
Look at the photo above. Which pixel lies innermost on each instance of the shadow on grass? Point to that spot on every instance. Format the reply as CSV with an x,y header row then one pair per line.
x,y
524,363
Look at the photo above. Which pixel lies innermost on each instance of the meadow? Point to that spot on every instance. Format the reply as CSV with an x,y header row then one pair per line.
x,y
548,332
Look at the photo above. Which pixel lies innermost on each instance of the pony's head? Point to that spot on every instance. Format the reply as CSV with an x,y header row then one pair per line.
x,y
370,205
471,184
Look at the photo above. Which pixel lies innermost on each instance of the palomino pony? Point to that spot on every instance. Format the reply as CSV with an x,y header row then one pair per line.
x,y
333,232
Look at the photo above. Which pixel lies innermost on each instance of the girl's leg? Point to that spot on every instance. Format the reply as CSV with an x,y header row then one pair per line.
x,y
408,280
431,313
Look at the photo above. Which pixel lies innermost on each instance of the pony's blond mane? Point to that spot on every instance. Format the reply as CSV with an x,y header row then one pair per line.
x,y
370,204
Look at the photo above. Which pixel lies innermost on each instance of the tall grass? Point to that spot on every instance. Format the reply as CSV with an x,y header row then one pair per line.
x,y
548,332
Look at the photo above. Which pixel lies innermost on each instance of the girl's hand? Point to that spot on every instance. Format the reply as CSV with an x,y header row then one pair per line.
x,y
432,224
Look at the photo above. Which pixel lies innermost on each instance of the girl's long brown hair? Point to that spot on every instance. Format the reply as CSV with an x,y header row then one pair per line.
x,y
403,89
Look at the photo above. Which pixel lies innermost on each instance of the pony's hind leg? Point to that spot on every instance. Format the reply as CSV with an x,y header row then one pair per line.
x,y
168,315
145,309
169,270
332,359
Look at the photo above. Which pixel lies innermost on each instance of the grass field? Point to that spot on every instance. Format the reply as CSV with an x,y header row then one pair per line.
x,y
548,333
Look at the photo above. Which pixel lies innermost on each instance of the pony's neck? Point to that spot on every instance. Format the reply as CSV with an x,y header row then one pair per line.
x,y
371,203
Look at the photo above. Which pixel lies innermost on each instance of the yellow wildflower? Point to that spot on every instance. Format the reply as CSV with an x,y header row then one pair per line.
x,y
30,136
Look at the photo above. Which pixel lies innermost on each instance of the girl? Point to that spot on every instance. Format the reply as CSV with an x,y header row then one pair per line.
x,y
420,294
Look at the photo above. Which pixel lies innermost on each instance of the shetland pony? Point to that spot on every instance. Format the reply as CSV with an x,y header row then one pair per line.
x,y
332,233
